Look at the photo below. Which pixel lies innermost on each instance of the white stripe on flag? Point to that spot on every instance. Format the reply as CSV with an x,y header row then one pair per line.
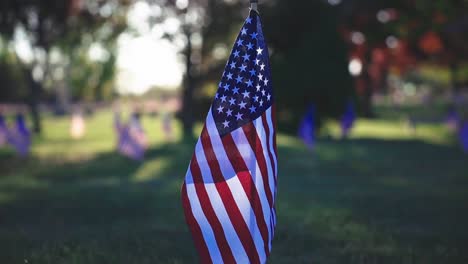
x,y
263,139
271,142
250,161
248,214
200,217
200,156
273,154
219,209
235,186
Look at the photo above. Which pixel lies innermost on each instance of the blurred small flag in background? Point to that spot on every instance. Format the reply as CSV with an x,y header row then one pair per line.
x,y
127,145
3,132
464,136
347,121
137,133
453,120
307,128
167,126
230,187
20,137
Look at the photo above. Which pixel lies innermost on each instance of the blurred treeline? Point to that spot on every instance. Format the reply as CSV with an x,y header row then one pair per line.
x,y
58,35
311,43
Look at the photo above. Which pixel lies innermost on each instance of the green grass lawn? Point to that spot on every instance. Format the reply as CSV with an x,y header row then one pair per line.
x,y
384,196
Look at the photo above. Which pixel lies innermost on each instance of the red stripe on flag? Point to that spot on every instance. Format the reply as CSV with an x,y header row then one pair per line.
x,y
256,145
209,212
273,121
195,228
270,155
248,185
272,162
232,209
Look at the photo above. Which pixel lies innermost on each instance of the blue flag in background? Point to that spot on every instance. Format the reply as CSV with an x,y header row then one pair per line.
x,y
307,128
129,146
347,121
453,116
137,132
464,136
3,131
453,120
21,126
127,143
20,137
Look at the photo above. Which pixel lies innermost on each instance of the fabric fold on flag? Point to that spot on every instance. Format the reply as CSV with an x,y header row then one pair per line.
x,y
229,190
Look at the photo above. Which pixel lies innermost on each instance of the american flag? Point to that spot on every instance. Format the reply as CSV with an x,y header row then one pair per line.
x,y
230,187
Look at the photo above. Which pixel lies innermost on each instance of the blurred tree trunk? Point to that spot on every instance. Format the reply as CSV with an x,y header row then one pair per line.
x,y
62,92
366,101
188,90
35,89
454,78
34,92
62,99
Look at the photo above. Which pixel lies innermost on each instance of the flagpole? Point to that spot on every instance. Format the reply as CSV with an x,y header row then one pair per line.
x,y
254,5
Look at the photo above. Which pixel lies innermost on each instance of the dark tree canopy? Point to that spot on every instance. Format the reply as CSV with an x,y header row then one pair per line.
x,y
309,59
63,25
59,22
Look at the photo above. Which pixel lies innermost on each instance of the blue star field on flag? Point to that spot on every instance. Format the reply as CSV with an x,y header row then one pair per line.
x,y
245,90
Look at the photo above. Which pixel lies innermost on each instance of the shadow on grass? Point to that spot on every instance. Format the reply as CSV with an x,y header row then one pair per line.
x,y
372,201
96,211
356,201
